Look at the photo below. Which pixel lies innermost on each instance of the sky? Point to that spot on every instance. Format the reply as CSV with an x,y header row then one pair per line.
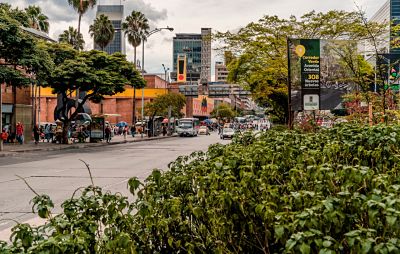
x,y
187,16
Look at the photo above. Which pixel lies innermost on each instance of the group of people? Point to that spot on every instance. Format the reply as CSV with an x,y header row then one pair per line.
x,y
118,130
7,136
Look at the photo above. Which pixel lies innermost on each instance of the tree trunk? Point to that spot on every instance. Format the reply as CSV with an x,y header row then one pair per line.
x,y
14,113
134,56
79,29
134,107
65,127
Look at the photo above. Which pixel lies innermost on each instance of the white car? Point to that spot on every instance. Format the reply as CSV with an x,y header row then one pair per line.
x,y
203,130
227,133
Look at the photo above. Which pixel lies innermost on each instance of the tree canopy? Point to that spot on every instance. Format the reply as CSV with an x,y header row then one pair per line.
x,y
21,52
94,72
259,55
159,106
223,110
102,31
72,37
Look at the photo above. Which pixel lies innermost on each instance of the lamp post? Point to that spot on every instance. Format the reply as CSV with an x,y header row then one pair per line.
x,y
145,37
169,107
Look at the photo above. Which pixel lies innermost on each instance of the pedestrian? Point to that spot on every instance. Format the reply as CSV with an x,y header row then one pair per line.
x,y
125,131
36,134
164,130
133,131
20,133
108,133
4,136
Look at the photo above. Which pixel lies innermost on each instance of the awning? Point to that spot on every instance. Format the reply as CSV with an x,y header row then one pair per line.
x,y
6,108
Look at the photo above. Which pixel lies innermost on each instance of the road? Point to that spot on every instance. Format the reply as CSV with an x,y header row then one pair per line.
x,y
59,173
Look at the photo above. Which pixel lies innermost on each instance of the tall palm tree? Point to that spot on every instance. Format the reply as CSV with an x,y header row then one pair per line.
x,y
71,37
102,31
81,6
136,27
37,19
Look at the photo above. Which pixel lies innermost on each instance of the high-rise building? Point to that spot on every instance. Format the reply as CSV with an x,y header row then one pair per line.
x,y
197,48
116,14
389,13
205,55
221,72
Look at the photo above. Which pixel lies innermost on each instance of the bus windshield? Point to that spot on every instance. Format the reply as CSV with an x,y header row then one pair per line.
x,y
186,125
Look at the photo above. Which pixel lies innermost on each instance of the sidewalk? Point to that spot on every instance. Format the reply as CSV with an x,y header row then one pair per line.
x,y
13,149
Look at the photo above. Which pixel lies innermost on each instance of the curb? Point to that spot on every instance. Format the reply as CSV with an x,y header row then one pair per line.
x,y
75,146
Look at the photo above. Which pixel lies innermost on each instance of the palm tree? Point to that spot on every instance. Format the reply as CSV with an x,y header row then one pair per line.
x,y
136,27
102,31
71,37
81,6
37,19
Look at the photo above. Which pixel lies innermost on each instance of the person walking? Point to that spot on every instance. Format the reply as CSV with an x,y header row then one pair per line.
x,y
108,133
36,134
164,130
4,136
125,131
20,133
133,131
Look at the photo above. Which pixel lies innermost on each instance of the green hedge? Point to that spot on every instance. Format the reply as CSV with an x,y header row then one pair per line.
x,y
335,191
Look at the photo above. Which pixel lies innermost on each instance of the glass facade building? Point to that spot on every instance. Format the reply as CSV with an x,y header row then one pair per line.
x,y
389,13
197,48
115,13
395,20
189,45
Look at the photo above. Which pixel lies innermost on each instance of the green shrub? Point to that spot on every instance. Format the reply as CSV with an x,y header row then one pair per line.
x,y
334,191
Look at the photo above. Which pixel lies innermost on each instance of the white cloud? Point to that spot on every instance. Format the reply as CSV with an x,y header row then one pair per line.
x,y
188,16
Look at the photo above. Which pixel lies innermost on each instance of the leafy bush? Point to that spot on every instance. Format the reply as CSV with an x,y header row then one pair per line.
x,y
334,191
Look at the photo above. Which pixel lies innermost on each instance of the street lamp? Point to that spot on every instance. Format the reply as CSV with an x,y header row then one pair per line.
x,y
144,39
166,80
169,106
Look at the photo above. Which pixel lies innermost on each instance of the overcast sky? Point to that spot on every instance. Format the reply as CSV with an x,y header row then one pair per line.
x,y
187,16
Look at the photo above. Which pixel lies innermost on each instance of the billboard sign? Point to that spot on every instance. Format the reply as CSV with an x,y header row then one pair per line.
x,y
316,69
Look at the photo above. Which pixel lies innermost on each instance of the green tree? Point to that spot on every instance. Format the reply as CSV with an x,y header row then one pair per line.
x,y
24,61
95,72
259,59
37,19
81,6
72,37
136,27
159,106
102,31
223,110
19,15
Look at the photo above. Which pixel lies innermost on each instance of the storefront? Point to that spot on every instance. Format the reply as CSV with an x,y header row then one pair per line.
x,y
7,115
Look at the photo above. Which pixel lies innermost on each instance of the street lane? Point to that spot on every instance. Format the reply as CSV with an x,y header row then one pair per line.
x,y
59,173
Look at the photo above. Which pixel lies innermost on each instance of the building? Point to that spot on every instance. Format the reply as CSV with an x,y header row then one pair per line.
x,y
116,14
197,48
205,75
221,72
389,13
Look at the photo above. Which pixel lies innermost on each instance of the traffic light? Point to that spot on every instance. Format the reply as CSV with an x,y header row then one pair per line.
x,y
181,69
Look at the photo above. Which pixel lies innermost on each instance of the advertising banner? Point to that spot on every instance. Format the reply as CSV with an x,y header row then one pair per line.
x,y
318,76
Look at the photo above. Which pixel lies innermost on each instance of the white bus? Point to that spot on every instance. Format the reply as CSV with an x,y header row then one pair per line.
x,y
188,127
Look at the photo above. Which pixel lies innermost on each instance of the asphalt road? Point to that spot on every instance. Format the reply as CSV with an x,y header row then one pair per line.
x,y
59,173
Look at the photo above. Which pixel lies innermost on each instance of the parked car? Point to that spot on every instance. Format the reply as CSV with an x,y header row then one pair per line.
x,y
203,130
227,133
